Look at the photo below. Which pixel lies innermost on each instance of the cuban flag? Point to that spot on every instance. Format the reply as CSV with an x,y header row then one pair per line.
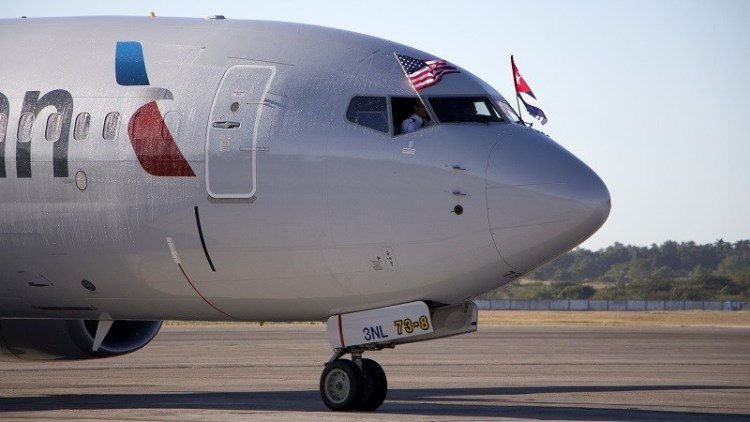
x,y
527,97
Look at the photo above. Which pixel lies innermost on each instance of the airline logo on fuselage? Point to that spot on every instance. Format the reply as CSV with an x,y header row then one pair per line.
x,y
151,139
155,148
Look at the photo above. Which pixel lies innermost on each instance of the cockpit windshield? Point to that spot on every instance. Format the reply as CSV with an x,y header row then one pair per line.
x,y
465,110
507,110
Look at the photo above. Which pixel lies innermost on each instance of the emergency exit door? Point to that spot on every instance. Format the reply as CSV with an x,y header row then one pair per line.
x,y
232,139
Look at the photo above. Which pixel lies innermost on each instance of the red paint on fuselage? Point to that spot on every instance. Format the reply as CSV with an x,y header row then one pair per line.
x,y
154,145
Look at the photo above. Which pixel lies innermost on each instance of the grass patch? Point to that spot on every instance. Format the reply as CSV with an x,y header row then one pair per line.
x,y
615,318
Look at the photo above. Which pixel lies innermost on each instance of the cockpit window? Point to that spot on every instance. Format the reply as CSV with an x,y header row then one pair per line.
x,y
369,111
507,110
409,115
465,109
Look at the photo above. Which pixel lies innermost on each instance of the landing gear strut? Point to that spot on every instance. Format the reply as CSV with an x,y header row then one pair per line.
x,y
357,384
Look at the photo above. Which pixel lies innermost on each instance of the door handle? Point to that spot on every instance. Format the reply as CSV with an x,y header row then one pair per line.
x,y
225,125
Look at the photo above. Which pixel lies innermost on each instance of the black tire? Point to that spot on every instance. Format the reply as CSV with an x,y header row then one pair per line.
x,y
342,385
375,395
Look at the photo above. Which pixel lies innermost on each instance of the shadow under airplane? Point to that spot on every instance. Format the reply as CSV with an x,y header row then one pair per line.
x,y
459,402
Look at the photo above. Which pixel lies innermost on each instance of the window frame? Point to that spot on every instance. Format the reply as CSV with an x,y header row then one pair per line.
x,y
116,128
27,138
57,129
87,130
3,126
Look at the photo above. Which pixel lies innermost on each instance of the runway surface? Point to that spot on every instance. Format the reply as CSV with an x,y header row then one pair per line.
x,y
530,373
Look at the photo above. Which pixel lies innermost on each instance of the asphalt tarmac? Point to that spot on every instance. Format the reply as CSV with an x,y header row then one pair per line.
x,y
271,372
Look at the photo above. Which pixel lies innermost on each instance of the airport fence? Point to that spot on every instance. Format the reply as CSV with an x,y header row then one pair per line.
x,y
607,305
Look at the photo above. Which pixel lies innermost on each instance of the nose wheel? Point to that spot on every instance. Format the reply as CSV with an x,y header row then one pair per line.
x,y
357,384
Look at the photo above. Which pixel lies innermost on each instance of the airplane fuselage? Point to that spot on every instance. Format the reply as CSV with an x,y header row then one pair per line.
x,y
219,177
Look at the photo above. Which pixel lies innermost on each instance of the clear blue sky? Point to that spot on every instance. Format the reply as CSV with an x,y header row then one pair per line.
x,y
653,95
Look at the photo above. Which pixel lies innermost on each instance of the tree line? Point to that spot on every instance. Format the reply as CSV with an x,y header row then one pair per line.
x,y
670,271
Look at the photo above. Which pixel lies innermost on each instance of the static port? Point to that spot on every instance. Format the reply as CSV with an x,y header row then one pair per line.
x,y
458,210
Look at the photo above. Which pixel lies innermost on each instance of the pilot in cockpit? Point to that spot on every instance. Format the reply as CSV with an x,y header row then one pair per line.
x,y
418,120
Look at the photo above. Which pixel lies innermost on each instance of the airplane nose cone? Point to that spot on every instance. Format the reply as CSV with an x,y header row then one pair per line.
x,y
541,199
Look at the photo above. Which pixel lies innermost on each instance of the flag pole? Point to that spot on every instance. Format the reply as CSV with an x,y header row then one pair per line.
x,y
515,86
406,75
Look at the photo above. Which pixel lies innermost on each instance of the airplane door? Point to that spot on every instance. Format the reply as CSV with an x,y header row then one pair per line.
x,y
232,139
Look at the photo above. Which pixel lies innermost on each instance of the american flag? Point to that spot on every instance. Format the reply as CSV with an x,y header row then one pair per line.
x,y
424,73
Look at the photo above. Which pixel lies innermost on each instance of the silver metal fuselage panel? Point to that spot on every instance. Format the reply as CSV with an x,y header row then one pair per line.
x,y
303,213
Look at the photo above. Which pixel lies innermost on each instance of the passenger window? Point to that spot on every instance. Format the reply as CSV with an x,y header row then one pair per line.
x,y
369,112
111,126
54,127
81,129
24,127
170,125
3,126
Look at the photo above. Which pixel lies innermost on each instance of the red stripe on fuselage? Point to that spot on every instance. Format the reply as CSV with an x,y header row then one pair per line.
x,y
199,293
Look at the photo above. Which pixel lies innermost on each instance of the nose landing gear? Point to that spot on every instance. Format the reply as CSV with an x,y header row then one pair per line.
x,y
357,384
360,384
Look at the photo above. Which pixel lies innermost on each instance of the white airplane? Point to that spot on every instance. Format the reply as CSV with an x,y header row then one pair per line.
x,y
208,169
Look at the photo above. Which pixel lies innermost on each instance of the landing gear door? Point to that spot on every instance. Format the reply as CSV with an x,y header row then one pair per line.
x,y
232,139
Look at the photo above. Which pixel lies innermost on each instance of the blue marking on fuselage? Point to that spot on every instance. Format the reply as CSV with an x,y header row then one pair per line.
x,y
130,68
